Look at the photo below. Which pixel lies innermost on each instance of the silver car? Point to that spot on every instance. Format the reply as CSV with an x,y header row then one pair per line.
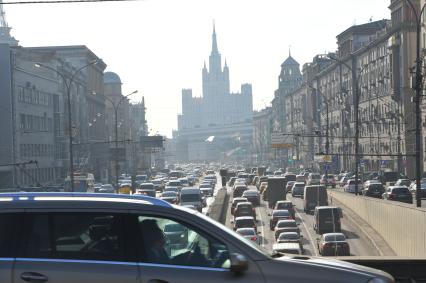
x,y
81,237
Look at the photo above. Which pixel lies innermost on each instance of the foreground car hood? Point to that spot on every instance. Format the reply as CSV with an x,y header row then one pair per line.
x,y
338,264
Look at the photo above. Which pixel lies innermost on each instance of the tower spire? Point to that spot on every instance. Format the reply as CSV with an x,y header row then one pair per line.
x,y
3,22
214,42
5,36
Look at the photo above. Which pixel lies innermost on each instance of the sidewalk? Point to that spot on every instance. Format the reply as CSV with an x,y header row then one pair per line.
x,y
372,235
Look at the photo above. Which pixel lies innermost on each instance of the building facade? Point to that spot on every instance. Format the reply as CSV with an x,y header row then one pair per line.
x,y
219,123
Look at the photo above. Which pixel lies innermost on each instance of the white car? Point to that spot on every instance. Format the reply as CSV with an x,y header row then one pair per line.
x,y
350,186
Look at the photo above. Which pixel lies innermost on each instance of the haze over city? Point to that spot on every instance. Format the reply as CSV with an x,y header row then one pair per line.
x,y
158,47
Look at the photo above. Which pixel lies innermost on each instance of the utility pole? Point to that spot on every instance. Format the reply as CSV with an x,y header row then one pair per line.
x,y
356,94
327,142
417,100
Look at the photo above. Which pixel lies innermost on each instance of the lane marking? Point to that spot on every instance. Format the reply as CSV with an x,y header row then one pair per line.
x,y
261,227
307,231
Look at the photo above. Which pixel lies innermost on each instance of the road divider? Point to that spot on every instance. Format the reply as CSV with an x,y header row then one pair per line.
x,y
401,225
218,208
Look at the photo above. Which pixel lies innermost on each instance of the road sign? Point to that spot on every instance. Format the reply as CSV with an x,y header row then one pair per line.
x,y
327,158
281,140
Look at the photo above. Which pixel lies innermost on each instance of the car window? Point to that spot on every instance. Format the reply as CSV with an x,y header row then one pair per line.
x,y
166,241
7,233
74,236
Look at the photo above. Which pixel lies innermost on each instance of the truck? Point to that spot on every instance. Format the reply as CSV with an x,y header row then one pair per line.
x,y
314,196
261,170
275,190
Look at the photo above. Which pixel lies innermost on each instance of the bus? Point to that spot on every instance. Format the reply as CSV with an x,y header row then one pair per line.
x,y
83,183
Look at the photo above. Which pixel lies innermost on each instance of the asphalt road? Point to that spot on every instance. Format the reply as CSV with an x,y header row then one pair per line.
x,y
359,243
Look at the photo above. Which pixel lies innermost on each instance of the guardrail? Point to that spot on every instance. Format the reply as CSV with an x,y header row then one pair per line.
x,y
401,225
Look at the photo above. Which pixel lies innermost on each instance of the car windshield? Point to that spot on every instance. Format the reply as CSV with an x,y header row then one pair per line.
x,y
190,197
288,236
335,238
246,232
280,213
400,190
283,224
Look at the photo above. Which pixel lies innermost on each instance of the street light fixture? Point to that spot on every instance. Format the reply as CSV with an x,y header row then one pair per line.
x,y
68,83
116,106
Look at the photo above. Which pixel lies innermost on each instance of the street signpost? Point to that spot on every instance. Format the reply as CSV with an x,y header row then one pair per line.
x,y
281,140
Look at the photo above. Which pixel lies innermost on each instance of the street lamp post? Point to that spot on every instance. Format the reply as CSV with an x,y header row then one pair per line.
x,y
116,106
68,83
418,88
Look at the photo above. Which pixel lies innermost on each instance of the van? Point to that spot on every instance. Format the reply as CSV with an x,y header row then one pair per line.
x,y
327,219
191,196
314,196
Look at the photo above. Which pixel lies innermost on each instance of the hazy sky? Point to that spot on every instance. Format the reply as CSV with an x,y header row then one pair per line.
x,y
158,46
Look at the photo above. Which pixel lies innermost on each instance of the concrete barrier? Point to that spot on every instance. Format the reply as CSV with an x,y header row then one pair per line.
x,y
219,206
402,226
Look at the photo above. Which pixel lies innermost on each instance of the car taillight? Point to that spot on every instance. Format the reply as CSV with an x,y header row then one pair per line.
x,y
391,196
326,245
254,238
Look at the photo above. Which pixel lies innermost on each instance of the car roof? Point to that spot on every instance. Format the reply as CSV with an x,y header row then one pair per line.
x,y
280,211
246,228
244,203
286,221
36,197
288,233
283,201
244,218
333,234
240,199
189,190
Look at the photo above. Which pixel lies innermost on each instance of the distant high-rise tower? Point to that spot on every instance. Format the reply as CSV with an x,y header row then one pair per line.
x,y
5,36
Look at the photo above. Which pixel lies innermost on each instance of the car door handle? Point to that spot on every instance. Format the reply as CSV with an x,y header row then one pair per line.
x,y
33,277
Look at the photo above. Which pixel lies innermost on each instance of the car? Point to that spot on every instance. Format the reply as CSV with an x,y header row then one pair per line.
x,y
300,178
171,189
297,189
244,209
239,190
250,234
158,184
286,226
235,201
327,219
206,190
288,186
290,237
252,196
287,205
115,227
351,188
313,179
176,234
97,187
333,244
372,181
403,182
422,189
175,183
374,190
329,180
277,215
170,196
107,189
398,193
245,222
147,189
191,196
287,248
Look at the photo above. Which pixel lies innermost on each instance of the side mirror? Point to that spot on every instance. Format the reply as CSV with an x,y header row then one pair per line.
x,y
239,263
